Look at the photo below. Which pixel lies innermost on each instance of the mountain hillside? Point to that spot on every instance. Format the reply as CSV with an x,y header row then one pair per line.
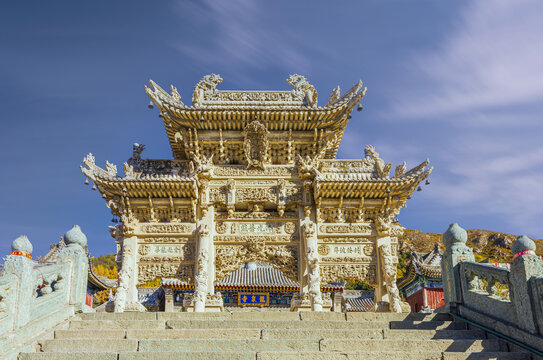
x,y
487,245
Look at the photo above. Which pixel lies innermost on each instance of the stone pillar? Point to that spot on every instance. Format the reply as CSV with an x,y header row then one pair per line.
x,y
126,298
201,286
388,270
526,265
74,252
168,300
19,263
456,251
336,307
313,271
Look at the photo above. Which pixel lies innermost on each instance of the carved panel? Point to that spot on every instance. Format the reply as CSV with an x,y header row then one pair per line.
x,y
150,271
166,228
364,272
165,252
254,215
217,195
242,171
221,227
247,238
343,239
164,239
359,229
256,194
282,257
289,227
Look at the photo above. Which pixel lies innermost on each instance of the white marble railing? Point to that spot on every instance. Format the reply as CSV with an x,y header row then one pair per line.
x,y
509,302
35,298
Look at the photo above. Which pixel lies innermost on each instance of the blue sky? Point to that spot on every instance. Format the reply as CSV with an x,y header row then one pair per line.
x,y
458,82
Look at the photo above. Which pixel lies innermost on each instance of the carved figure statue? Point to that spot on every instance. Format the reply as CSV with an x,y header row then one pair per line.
x,y
303,89
389,272
205,87
255,145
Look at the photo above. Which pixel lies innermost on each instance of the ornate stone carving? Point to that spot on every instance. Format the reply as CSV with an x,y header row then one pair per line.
x,y
151,271
345,228
232,257
165,228
303,89
253,215
217,195
206,89
245,238
221,227
144,250
323,250
234,170
289,227
389,273
255,194
331,273
256,145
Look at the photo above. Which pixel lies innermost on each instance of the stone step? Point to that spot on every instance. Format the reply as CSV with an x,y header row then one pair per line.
x,y
428,325
434,334
277,324
376,316
409,344
190,345
272,355
116,324
140,356
390,355
317,334
229,345
256,333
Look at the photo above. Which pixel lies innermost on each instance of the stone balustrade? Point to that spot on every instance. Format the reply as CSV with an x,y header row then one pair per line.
x,y
35,298
509,302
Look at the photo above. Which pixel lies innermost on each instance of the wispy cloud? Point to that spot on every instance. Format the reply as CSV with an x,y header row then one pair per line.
x,y
492,59
237,36
482,89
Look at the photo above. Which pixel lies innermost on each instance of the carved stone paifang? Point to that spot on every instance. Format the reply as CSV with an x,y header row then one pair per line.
x,y
254,176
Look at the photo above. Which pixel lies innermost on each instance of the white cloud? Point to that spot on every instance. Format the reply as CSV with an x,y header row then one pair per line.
x,y
491,59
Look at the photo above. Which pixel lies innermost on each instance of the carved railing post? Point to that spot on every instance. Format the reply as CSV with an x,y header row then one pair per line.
x,y
456,251
19,263
525,266
75,253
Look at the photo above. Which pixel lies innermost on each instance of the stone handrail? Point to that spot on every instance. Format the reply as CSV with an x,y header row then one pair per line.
x,y
35,298
509,302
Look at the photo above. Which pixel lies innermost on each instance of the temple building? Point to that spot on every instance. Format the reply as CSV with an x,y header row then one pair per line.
x,y
422,286
252,279
254,177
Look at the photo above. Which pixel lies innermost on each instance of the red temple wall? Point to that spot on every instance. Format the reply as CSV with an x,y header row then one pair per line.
x,y
434,297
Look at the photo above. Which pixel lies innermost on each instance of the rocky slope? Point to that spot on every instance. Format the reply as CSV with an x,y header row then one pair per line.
x,y
491,245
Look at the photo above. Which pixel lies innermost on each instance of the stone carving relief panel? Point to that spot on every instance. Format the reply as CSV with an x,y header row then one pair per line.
x,y
167,228
330,273
231,257
150,271
358,229
165,252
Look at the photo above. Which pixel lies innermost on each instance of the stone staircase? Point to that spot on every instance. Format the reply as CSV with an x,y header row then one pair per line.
x,y
271,335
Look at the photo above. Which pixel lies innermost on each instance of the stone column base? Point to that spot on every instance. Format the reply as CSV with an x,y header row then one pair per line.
x,y
214,303
303,303
134,307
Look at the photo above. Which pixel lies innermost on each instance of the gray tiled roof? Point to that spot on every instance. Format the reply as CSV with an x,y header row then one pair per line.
x,y
257,274
359,304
